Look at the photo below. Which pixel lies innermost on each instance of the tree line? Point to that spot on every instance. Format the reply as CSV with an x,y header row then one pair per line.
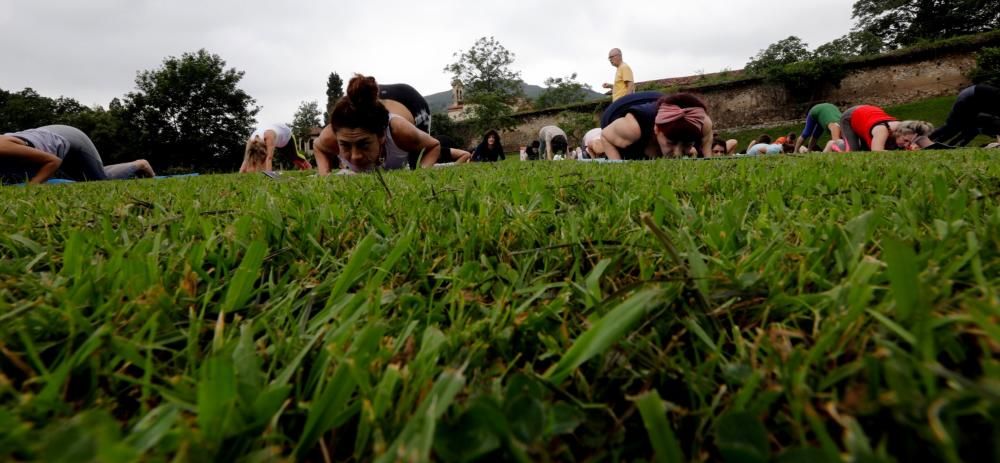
x,y
188,114
886,25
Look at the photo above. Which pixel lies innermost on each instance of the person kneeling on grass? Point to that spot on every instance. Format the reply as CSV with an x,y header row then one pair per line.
x,y
976,111
650,125
363,133
264,142
870,128
39,154
404,100
820,119
593,144
533,152
763,145
552,141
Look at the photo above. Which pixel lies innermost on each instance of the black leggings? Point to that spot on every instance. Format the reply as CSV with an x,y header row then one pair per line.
x,y
412,100
976,110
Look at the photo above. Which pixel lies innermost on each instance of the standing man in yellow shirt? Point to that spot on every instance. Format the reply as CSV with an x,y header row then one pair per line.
x,y
624,80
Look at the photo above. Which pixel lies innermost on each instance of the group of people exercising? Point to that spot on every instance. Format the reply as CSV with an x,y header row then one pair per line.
x,y
388,127
975,112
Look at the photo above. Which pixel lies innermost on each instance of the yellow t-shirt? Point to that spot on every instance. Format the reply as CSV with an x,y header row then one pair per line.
x,y
622,77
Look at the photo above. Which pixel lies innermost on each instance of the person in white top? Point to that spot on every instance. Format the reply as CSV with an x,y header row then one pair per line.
x,y
593,143
264,142
553,141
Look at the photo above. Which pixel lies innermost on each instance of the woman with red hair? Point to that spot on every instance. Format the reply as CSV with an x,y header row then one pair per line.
x,y
650,125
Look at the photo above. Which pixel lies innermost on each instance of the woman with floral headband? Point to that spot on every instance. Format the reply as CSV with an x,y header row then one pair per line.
x,y
649,125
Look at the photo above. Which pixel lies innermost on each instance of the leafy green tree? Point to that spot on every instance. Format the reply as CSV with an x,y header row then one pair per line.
x,y
25,109
191,113
107,129
492,88
899,23
576,125
987,68
306,118
806,80
780,53
28,109
491,111
804,74
334,91
561,91
457,134
854,44
334,88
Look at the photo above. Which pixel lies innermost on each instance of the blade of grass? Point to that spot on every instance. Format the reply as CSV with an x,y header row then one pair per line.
x,y
661,434
604,333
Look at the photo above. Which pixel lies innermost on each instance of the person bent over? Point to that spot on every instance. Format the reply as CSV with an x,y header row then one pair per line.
x,y
36,155
870,128
975,112
822,118
649,125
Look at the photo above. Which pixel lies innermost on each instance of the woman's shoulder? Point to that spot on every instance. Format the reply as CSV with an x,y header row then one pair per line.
x,y
395,120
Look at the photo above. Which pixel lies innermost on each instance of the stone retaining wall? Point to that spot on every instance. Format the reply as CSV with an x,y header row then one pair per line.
x,y
754,102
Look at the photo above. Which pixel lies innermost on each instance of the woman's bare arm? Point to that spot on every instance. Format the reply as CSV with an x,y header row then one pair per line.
x,y
412,140
834,130
325,148
15,149
246,159
269,142
880,135
706,138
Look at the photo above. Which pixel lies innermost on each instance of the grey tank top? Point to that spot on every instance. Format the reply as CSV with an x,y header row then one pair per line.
x,y
44,140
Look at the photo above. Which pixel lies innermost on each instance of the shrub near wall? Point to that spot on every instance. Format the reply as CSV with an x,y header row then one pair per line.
x,y
987,68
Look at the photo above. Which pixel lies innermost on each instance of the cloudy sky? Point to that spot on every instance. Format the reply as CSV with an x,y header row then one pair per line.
x,y
91,49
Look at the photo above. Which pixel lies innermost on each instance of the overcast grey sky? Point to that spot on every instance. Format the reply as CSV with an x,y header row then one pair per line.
x,y
91,49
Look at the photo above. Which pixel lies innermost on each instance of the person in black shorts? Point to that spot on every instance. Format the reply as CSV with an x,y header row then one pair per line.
x,y
406,101
976,111
650,125
642,106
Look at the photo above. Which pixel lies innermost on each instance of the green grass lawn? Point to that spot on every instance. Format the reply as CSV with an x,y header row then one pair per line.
x,y
933,110
812,308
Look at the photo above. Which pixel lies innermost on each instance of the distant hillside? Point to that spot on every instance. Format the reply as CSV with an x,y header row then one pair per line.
x,y
439,102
